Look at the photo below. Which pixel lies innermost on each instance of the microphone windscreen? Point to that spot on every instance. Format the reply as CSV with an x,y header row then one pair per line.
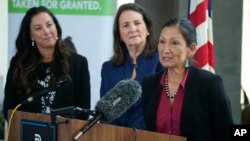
x,y
120,98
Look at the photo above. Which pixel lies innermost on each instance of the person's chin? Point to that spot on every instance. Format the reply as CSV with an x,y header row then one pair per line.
x,y
51,43
135,42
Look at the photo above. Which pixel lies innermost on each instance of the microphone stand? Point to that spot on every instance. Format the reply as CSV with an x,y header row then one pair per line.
x,y
89,124
62,81
68,112
31,98
71,111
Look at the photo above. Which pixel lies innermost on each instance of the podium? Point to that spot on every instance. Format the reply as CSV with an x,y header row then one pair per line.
x,y
68,128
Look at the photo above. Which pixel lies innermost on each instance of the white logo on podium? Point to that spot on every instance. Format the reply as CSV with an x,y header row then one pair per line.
x,y
38,137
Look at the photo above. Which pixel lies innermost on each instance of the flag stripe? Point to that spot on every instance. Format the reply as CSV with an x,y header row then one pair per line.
x,y
201,34
210,54
200,14
192,5
201,56
210,31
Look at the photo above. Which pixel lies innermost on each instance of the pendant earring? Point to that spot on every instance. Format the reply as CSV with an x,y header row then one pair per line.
x,y
32,43
187,63
147,34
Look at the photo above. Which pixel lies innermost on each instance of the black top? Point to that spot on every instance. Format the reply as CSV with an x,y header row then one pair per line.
x,y
206,112
76,93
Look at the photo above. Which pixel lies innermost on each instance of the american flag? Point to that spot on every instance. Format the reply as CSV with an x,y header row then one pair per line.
x,y
200,13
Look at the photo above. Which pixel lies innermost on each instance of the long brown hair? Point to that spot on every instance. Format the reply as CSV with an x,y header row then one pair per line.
x,y
27,57
119,47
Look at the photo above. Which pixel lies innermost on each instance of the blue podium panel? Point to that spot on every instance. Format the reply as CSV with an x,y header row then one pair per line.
x,y
37,131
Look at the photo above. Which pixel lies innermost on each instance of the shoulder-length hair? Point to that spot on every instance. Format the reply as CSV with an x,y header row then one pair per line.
x,y
119,47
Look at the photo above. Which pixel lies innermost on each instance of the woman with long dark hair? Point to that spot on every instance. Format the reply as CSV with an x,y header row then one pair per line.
x,y
41,59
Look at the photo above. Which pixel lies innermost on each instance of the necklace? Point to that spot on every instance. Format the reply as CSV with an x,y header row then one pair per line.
x,y
169,95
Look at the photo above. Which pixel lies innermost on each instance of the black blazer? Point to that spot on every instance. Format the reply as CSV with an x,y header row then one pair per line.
x,y
206,112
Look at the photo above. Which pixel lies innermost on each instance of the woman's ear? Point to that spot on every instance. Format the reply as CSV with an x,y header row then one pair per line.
x,y
191,50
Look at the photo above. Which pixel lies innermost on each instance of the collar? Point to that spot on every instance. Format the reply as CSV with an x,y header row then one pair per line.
x,y
183,81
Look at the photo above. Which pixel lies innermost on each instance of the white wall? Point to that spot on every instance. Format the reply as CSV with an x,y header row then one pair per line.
x,y
3,45
120,2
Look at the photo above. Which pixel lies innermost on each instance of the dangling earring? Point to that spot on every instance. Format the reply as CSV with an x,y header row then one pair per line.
x,y
187,63
147,34
32,43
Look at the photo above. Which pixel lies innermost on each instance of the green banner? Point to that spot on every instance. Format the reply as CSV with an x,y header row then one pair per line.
x,y
66,7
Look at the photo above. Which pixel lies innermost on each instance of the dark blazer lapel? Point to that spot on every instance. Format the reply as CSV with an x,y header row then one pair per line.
x,y
154,89
187,105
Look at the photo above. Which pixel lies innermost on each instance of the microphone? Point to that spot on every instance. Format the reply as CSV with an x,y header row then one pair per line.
x,y
114,103
61,82
119,99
